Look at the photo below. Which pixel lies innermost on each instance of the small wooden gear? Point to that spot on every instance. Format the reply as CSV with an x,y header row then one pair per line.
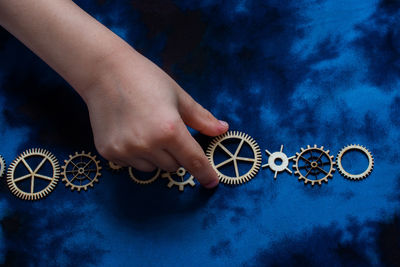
x,y
234,157
144,181
180,178
81,171
311,162
34,172
363,150
275,167
113,166
2,166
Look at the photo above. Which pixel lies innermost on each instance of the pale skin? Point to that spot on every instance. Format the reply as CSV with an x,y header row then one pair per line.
x,y
137,112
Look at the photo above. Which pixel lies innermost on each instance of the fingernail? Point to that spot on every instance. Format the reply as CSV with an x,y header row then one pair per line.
x,y
224,124
212,184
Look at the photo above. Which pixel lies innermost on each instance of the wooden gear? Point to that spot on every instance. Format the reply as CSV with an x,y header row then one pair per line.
x,y
81,171
146,181
2,166
363,150
283,166
33,174
234,158
313,165
113,166
182,182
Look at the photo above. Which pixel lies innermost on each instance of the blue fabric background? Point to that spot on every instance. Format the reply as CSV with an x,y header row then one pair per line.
x,y
293,73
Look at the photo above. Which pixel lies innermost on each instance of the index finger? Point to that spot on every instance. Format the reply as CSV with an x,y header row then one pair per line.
x,y
190,155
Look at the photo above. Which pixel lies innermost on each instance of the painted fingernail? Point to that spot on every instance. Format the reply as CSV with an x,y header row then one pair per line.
x,y
212,184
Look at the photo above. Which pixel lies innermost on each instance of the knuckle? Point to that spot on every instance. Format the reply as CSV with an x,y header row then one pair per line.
x,y
140,145
168,129
143,148
110,150
103,152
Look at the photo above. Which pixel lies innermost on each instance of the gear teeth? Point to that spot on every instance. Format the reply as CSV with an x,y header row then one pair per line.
x,y
45,191
89,158
361,149
2,166
181,185
250,142
148,181
299,156
114,167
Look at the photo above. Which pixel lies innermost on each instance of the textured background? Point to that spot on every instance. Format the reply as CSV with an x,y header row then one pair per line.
x,y
297,73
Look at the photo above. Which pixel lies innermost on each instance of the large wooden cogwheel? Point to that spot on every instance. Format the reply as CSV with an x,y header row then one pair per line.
x,y
234,158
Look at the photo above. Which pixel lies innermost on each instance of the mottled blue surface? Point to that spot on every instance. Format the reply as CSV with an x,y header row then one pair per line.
x,y
293,73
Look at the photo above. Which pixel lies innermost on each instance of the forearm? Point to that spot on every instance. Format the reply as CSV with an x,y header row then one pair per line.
x,y
63,35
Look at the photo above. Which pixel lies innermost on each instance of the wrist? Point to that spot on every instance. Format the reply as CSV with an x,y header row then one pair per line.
x,y
103,72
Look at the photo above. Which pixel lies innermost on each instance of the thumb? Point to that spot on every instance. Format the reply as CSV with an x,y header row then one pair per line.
x,y
198,118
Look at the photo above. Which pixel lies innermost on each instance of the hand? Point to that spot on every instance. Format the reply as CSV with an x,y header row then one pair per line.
x,y
138,113
138,116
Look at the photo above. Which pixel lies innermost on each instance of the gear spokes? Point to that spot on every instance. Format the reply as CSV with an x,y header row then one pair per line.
x,y
180,178
314,165
276,167
234,158
80,171
33,174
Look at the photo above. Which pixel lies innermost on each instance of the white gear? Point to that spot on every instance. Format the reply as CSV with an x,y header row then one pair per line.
x,y
278,167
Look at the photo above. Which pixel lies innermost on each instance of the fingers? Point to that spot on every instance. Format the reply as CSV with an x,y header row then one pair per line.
x,y
164,161
200,119
142,165
191,156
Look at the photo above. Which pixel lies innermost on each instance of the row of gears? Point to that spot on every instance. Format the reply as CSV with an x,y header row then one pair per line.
x,y
35,173
313,165
180,178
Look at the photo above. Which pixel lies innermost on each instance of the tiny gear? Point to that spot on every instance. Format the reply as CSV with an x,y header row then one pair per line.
x,y
312,162
234,157
35,172
2,166
363,150
279,155
113,166
144,181
181,181
80,171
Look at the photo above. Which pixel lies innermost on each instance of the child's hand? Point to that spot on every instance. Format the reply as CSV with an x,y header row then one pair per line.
x,y
138,115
